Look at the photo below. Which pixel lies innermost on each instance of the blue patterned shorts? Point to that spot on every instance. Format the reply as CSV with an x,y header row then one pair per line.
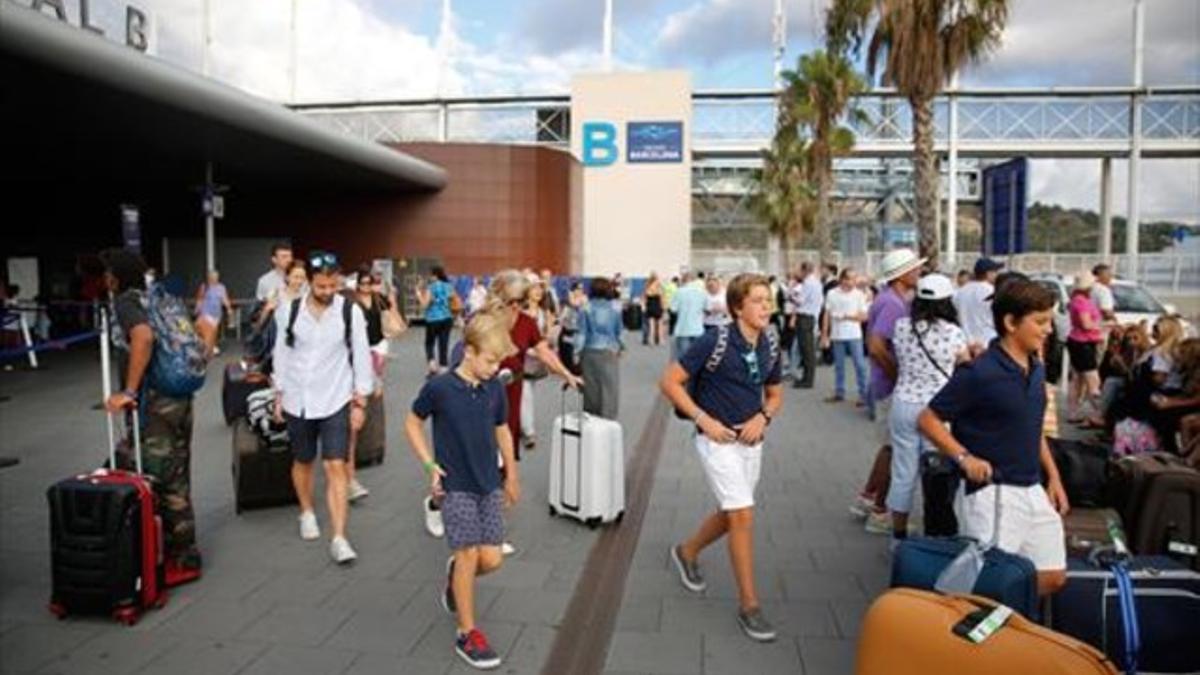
x,y
473,519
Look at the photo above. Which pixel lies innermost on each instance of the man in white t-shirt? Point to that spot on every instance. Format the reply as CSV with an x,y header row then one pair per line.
x,y
1102,293
273,282
845,312
715,311
973,301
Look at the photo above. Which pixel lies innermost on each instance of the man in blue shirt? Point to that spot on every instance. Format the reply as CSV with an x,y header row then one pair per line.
x,y
470,425
688,305
737,390
995,407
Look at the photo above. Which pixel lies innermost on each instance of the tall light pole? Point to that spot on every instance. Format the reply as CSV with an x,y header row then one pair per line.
x,y
608,35
292,55
779,47
205,38
1135,146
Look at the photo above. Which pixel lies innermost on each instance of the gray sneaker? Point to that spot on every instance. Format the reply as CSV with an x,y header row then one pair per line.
x,y
689,572
756,626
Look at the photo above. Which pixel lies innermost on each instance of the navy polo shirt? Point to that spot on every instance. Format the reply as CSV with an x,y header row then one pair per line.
x,y
996,411
465,418
733,393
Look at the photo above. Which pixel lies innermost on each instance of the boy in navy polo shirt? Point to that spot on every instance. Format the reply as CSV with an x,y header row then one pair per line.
x,y
996,406
736,393
470,424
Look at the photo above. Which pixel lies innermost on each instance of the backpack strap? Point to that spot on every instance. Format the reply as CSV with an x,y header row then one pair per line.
x,y
718,352
290,337
347,315
773,342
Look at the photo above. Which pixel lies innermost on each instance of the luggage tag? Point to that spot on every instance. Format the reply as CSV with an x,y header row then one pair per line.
x,y
980,625
1183,548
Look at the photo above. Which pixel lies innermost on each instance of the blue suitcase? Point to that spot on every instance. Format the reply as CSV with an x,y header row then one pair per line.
x,y
1167,596
1006,578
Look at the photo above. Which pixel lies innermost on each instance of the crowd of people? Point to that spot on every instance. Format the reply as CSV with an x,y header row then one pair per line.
x,y
927,352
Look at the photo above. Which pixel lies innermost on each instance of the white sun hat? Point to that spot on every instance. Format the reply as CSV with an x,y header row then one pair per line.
x,y
897,263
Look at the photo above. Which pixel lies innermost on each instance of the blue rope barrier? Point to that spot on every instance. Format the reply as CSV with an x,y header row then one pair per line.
x,y
59,344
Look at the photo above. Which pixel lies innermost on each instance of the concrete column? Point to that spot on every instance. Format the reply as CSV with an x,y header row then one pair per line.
x,y
210,237
1106,195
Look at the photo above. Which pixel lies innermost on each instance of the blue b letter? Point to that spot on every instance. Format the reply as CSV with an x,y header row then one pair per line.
x,y
599,144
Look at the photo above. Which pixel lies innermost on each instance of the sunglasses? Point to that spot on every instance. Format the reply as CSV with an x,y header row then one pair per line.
x,y
751,360
323,261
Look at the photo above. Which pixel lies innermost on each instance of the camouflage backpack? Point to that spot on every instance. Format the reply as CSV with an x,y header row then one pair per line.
x,y
179,363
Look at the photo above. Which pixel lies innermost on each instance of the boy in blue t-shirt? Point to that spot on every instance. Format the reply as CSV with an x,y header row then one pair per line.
x,y
996,407
470,425
736,391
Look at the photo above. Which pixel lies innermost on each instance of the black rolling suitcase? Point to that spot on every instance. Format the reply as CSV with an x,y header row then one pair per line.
x,y
106,539
262,460
237,386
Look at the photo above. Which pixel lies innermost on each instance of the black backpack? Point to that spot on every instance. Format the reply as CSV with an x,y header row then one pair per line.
x,y
347,310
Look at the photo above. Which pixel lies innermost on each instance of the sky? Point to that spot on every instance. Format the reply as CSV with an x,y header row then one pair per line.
x,y
356,50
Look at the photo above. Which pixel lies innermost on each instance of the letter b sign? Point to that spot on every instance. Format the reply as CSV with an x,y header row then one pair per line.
x,y
599,144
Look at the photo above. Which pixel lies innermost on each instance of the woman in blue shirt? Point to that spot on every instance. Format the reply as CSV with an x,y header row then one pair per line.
x,y
598,342
439,319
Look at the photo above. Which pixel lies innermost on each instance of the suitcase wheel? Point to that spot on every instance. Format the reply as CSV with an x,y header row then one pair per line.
x,y
553,511
593,523
58,610
126,615
620,517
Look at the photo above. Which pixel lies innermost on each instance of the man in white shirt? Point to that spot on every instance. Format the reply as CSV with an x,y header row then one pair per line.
x,y
477,297
274,281
973,301
1102,293
715,311
845,312
323,376
811,299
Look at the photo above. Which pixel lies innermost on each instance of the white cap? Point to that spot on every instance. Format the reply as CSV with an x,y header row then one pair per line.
x,y
935,287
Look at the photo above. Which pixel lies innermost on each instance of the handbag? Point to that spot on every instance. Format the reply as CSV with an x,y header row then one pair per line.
x,y
392,323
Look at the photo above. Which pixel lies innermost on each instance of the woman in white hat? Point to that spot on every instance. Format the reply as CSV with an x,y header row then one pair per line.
x,y
1083,345
928,346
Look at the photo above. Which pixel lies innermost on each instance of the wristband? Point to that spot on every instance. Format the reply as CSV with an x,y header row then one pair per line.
x,y
961,457
130,393
765,415
430,466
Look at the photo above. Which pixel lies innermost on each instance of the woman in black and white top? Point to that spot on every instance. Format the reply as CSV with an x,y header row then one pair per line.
x,y
928,346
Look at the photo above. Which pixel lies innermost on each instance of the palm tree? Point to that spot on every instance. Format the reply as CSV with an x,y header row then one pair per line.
x,y
818,93
922,44
783,196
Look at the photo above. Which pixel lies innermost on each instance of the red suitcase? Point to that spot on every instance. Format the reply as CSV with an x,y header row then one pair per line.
x,y
106,541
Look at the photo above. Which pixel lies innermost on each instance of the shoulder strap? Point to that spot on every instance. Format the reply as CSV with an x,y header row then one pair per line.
x,y
347,316
290,337
921,344
718,352
773,342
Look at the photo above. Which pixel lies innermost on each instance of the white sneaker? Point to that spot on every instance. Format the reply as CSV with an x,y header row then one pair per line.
x,y
433,520
340,549
879,522
507,549
356,491
309,531
862,506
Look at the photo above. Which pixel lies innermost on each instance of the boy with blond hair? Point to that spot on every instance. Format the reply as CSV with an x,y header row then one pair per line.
x,y
470,425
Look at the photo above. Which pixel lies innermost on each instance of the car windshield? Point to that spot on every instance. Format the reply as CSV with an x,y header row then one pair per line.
x,y
1135,299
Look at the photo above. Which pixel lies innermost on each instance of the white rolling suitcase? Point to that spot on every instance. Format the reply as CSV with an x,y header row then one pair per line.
x,y
587,468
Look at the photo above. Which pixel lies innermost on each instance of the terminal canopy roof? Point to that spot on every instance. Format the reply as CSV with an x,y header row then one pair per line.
x,y
75,106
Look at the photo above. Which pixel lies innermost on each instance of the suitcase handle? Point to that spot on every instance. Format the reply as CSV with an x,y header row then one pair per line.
x,y
106,387
578,435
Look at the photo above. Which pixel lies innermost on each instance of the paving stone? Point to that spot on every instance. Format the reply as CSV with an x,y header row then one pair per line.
x,y
738,655
300,661
385,664
216,619
545,608
201,656
655,653
297,626
29,647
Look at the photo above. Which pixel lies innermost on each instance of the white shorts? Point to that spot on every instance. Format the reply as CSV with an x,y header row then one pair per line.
x,y
732,470
1029,525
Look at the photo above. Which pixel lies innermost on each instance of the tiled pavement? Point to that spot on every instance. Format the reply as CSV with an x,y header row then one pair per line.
x,y
270,603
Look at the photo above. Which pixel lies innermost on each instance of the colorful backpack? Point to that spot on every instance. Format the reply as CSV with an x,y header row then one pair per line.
x,y
180,359
179,362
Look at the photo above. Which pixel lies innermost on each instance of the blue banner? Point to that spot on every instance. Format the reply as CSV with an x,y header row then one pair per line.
x,y
654,142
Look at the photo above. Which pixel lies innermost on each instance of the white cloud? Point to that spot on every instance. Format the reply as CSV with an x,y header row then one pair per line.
x,y
712,30
1170,188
